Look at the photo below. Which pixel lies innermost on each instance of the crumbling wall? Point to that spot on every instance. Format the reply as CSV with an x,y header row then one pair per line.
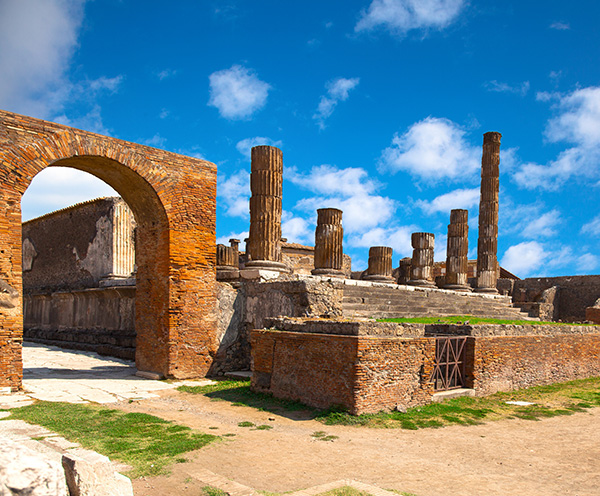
x,y
566,302
301,259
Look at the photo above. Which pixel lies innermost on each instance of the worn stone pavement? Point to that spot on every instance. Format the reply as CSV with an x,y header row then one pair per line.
x,y
55,374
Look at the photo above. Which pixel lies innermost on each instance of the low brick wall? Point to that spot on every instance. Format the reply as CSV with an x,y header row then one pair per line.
x,y
505,363
367,367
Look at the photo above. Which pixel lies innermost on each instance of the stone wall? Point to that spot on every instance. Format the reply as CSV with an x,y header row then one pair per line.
x,y
301,259
365,367
78,246
95,319
562,298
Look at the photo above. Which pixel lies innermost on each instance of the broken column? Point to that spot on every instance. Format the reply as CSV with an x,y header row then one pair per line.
x,y
329,236
404,270
264,240
457,251
227,263
421,271
380,264
487,246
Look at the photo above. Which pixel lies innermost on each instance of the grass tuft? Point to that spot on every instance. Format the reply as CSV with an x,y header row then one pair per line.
x,y
461,319
146,443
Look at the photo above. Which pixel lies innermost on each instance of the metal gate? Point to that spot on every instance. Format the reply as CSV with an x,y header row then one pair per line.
x,y
449,366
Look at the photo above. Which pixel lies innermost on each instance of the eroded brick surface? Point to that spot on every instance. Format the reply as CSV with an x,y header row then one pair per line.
x,y
173,200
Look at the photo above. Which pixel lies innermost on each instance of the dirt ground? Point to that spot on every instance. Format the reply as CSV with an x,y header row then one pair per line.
x,y
559,455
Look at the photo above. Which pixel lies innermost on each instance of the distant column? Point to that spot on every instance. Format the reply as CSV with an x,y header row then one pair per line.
x,y
329,236
227,263
457,252
380,264
421,272
404,270
487,246
264,240
235,246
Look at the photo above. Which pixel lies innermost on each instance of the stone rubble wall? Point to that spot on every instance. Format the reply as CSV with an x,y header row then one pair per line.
x,y
568,300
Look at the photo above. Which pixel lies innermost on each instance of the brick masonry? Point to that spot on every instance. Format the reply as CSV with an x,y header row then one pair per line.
x,y
367,367
173,200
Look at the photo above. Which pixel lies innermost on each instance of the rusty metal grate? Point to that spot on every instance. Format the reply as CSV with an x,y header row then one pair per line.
x,y
449,367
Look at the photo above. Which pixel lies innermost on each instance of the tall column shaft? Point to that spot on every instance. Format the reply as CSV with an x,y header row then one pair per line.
x,y
266,178
457,251
380,264
421,271
329,236
404,270
487,245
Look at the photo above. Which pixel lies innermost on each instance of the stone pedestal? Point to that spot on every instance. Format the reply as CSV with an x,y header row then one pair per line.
x,y
264,240
421,272
404,270
457,251
487,246
380,264
329,236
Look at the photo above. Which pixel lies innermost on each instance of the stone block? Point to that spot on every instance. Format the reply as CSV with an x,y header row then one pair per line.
x,y
26,472
90,474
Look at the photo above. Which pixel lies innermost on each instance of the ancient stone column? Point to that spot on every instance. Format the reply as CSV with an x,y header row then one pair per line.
x,y
235,246
487,246
227,263
457,251
329,236
421,271
380,264
264,241
404,270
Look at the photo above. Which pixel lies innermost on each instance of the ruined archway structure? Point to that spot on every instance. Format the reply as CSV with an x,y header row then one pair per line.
x,y
173,199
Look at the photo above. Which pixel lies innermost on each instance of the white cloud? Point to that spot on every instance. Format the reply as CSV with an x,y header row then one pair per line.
x,y
401,16
499,87
348,189
38,40
592,227
59,187
166,73
432,149
577,122
528,221
560,26
587,262
398,238
460,198
543,226
337,91
296,229
524,258
224,240
245,146
234,193
237,92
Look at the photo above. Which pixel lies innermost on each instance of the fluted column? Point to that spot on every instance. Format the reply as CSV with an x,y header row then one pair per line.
x,y
404,270
421,271
487,245
329,236
457,251
380,264
227,263
235,246
264,240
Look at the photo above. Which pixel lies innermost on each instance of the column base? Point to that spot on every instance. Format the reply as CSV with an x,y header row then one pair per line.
x,y
422,283
486,290
379,278
267,265
328,272
225,273
459,287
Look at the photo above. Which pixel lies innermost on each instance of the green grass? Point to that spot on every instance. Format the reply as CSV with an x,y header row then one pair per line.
x,y
461,319
213,491
323,436
147,443
238,393
345,491
550,401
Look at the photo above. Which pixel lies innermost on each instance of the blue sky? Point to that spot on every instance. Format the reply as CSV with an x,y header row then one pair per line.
x,y
379,107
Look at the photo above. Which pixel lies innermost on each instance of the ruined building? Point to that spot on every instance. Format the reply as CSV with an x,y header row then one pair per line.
x,y
296,316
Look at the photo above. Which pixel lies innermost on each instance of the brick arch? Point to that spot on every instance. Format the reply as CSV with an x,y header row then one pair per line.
x,y
173,200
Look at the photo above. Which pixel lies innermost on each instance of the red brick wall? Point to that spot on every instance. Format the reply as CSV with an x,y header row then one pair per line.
x,y
173,199
362,374
504,363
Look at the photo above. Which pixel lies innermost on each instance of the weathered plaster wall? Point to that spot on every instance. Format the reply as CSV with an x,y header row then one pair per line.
x,y
74,248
